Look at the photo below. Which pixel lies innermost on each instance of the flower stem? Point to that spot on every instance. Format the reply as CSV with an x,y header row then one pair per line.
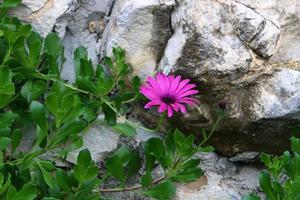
x,y
135,187
220,117
132,123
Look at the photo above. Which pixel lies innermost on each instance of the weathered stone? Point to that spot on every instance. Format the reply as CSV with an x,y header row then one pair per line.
x,y
259,33
34,5
224,180
100,140
204,47
44,18
142,28
278,96
232,49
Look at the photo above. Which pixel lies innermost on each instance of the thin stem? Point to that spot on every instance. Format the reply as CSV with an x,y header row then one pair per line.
x,y
7,56
132,123
135,187
212,131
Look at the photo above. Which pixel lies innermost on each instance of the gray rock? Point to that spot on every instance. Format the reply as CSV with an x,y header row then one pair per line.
x,y
278,96
34,5
100,140
224,180
142,28
245,157
259,33
204,47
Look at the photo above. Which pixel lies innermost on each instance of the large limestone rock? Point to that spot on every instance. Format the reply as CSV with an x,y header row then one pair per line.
x,y
240,52
222,180
142,28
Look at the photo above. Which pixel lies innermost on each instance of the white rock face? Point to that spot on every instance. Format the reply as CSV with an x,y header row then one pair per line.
x,y
43,14
225,180
200,46
279,95
34,5
100,140
142,29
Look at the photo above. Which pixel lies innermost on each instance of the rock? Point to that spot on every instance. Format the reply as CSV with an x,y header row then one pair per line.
x,y
100,140
245,157
34,5
222,180
42,14
204,47
259,33
278,96
233,50
142,28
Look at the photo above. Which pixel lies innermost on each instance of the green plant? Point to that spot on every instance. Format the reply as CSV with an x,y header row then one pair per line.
x,y
34,97
281,180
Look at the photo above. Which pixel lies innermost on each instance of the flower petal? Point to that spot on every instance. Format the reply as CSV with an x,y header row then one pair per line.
x,y
189,101
170,111
181,85
163,82
174,85
188,93
149,93
175,106
162,108
152,103
185,88
182,108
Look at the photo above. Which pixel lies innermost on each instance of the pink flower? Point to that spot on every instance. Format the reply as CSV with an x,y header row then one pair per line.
x,y
169,93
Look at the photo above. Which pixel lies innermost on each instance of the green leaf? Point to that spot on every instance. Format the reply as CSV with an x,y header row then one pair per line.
x,y
84,158
207,149
110,115
68,130
103,86
86,69
162,191
7,88
125,129
295,144
16,138
250,197
115,168
34,43
293,166
134,164
62,180
10,3
6,120
79,53
28,192
266,185
156,148
38,114
52,45
47,177
146,179
32,89
4,142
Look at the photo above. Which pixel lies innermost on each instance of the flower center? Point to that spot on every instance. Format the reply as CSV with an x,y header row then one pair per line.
x,y
168,99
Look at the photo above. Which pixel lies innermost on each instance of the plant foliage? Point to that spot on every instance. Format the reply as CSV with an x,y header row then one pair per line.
x,y
281,180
